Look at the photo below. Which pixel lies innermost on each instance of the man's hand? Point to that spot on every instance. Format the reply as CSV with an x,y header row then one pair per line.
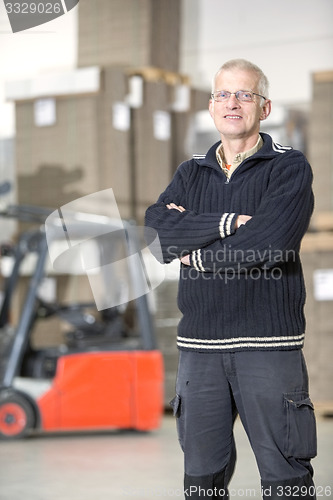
x,y
171,206
185,260
242,219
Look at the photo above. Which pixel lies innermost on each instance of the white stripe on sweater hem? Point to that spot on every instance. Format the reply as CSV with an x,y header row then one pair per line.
x,y
233,346
224,341
268,342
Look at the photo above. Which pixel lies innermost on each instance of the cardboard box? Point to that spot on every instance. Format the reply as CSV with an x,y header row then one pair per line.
x,y
321,139
317,254
56,164
131,32
151,146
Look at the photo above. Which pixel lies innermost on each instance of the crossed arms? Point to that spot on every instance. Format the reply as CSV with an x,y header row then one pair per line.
x,y
216,242
240,221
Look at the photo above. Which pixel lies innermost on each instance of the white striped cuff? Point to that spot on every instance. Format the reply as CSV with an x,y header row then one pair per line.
x,y
196,260
225,227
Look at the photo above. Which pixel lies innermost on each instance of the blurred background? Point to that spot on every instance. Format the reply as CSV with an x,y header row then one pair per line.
x,y
114,94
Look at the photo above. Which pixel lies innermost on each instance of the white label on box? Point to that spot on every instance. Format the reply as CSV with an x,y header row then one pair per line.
x,y
323,284
162,125
45,112
135,97
182,98
121,118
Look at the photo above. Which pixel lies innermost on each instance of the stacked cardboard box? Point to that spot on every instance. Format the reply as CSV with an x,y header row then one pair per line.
x,y
152,145
317,255
321,139
56,164
132,32
165,33
97,140
114,166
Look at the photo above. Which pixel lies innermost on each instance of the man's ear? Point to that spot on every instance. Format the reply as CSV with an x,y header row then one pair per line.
x,y
266,110
211,107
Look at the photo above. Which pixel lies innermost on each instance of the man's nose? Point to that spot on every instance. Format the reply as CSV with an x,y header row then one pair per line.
x,y
233,102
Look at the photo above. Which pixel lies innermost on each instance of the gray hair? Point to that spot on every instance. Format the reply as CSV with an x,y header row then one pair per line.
x,y
243,64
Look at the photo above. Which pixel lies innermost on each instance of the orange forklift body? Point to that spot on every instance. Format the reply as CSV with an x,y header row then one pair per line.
x,y
104,390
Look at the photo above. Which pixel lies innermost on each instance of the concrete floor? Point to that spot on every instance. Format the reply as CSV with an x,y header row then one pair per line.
x,y
127,465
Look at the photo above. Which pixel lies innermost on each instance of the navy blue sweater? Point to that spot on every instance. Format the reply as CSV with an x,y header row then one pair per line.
x,y
244,289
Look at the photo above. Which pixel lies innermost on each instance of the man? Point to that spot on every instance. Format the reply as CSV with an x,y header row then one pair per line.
x,y
235,218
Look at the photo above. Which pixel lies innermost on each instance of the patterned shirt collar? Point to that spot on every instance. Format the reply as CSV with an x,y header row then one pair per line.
x,y
229,169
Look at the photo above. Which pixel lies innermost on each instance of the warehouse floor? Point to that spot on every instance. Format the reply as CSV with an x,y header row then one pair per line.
x,y
120,465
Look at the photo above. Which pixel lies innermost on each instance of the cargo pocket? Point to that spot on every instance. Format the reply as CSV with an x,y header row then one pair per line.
x,y
176,406
301,438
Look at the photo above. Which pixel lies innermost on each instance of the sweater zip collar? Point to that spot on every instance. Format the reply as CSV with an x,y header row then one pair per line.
x,y
268,150
238,159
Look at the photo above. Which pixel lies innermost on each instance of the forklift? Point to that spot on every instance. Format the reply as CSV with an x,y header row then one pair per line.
x,y
108,372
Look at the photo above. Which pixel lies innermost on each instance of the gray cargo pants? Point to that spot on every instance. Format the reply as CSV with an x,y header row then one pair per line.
x,y
269,391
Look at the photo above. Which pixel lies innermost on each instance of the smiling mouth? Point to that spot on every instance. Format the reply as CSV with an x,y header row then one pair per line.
x,y
233,117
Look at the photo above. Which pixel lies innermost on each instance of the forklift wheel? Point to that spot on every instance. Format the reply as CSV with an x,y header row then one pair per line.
x,y
16,416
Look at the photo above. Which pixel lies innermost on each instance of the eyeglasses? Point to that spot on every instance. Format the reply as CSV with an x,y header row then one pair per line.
x,y
241,95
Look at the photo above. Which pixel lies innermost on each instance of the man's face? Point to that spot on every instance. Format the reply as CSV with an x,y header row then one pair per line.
x,y
234,119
